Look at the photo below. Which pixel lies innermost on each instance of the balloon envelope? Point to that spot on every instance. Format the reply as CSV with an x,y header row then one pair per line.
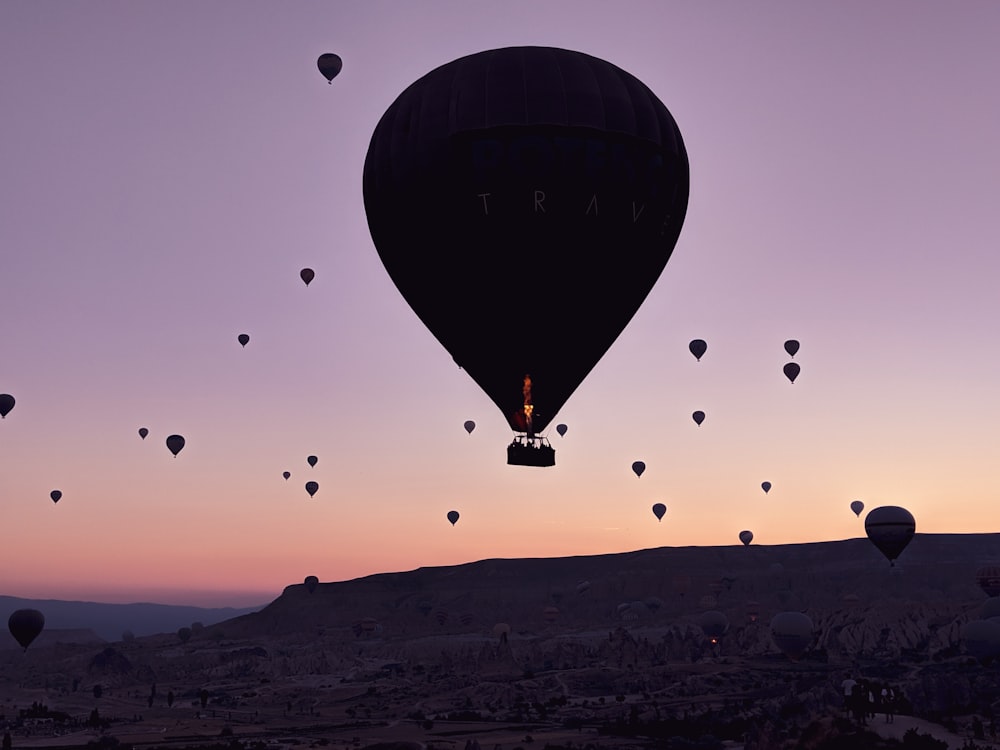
x,y
638,467
526,163
890,528
453,516
792,371
698,417
329,65
307,275
286,474
792,347
713,624
312,488
698,347
25,625
766,486
244,339
312,460
857,506
311,582
746,536
561,429
659,509
175,443
792,633
143,432
6,404
469,426
56,496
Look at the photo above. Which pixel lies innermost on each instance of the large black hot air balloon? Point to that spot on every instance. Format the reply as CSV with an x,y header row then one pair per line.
x,y
890,528
518,175
6,404
25,625
329,65
175,443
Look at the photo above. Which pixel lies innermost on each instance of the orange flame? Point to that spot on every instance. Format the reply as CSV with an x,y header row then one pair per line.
x,y
528,406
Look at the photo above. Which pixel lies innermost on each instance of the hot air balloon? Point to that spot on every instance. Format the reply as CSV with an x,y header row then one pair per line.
x,y
6,404
500,176
243,338
469,426
638,467
312,460
453,516
792,633
25,625
175,443
329,65
713,624
311,582
143,432
792,371
988,578
766,486
312,488
307,275
561,429
659,509
56,496
286,474
792,347
746,536
890,528
857,506
698,417
698,347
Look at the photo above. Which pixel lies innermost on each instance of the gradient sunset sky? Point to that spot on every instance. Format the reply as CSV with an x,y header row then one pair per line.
x,y
167,168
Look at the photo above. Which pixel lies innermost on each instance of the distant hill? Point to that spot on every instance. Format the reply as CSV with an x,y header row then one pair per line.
x,y
109,621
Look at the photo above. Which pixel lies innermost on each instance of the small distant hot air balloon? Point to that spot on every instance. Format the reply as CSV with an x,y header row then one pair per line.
x,y
469,426
453,516
698,347
792,371
312,488
143,432
857,506
312,460
25,625
286,474
713,624
175,443
792,347
307,275
746,536
311,582
792,633
890,528
659,509
6,404
329,65
243,338
698,417
638,467
766,486
561,429
56,496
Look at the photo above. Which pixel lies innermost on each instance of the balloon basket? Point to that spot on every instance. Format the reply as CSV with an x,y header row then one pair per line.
x,y
530,451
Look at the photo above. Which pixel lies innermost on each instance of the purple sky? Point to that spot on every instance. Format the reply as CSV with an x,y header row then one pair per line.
x,y
167,168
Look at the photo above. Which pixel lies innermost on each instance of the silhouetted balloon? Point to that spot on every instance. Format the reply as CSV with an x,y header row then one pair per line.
x,y
56,496
982,639
286,474
698,347
175,443
658,510
453,516
561,429
25,625
500,176
311,583
184,634
792,633
469,426
143,432
312,488
312,460
329,65
6,404
792,347
857,506
792,371
698,417
638,467
766,486
244,339
307,275
890,528
746,536
988,578
713,624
